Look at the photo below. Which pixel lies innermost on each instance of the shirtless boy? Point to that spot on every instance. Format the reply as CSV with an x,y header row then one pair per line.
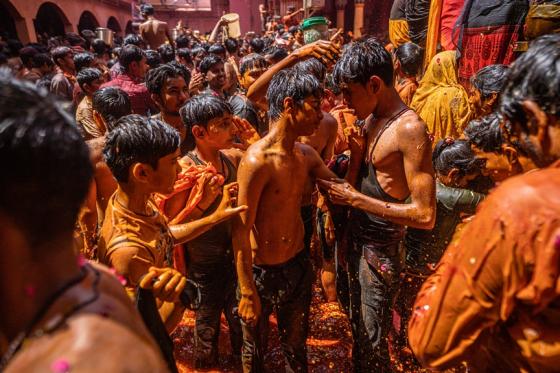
x,y
58,313
276,272
135,238
153,31
397,165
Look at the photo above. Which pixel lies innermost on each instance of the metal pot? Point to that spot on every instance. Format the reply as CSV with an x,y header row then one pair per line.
x,y
105,34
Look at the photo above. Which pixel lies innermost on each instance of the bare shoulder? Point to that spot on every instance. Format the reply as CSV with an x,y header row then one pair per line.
x,y
255,157
329,122
186,160
412,129
308,152
96,149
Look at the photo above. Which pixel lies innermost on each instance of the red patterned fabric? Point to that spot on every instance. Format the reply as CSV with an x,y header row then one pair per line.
x,y
483,46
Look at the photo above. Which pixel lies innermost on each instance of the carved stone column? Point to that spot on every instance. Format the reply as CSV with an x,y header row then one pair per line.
x,y
340,5
358,18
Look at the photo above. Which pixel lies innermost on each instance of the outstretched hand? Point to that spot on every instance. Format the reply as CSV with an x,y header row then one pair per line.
x,y
228,206
167,284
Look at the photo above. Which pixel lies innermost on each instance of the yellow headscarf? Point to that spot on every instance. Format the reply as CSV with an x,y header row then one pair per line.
x,y
440,100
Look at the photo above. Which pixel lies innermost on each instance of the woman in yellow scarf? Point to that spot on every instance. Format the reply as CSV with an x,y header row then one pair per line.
x,y
440,100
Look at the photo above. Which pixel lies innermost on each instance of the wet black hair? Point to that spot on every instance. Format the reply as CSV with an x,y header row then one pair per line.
x,y
486,133
166,52
185,53
208,62
133,39
156,78
449,154
129,54
87,76
313,66
182,70
217,49
275,54
137,139
99,47
490,79
252,61
60,52
46,169
363,59
535,76
74,39
182,41
26,54
41,59
83,60
147,9
200,110
293,30
111,103
231,45
196,51
153,59
331,85
257,44
290,83
410,56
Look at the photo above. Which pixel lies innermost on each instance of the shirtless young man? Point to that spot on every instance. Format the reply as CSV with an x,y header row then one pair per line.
x,y
58,313
153,31
135,238
494,297
397,166
109,105
276,272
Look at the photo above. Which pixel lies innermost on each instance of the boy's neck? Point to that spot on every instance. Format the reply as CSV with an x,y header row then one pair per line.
x,y
133,199
208,154
282,134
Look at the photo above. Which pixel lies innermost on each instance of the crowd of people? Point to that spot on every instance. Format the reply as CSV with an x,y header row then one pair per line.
x,y
228,176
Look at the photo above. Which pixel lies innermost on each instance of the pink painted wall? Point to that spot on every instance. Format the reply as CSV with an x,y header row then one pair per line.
x,y
248,11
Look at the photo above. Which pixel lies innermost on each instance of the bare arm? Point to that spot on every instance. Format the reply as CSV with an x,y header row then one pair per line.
x,y
415,146
252,179
88,220
332,126
216,30
323,50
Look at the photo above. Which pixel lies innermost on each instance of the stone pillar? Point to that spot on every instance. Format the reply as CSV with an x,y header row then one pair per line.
x,y
358,18
340,5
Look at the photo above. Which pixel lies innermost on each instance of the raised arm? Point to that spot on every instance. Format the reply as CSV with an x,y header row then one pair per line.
x,y
416,151
252,177
321,49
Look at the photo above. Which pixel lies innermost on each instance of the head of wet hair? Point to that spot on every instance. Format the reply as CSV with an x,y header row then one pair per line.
x,y
486,133
133,39
290,83
156,78
217,49
137,139
534,76
363,59
166,52
209,62
74,39
275,54
490,79
26,54
185,53
129,54
455,154
88,76
410,57
257,45
252,61
111,103
99,47
36,138
83,60
147,9
231,45
41,59
199,111
59,53
153,58
313,66
182,41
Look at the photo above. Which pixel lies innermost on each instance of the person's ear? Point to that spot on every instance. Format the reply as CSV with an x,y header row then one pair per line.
x,y
289,105
537,121
140,172
198,132
157,99
511,153
454,175
374,83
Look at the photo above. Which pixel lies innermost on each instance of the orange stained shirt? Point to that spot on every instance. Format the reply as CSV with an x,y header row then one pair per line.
x,y
132,243
494,300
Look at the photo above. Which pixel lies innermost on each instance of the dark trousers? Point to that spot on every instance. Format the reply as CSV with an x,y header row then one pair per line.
x,y
286,290
367,297
218,284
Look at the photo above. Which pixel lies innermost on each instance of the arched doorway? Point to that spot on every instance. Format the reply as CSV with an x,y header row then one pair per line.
x,y
87,22
8,18
114,25
129,28
50,20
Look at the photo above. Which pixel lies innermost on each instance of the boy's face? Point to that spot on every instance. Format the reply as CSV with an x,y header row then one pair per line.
x,y
220,132
250,76
163,178
174,94
93,86
360,98
308,115
216,77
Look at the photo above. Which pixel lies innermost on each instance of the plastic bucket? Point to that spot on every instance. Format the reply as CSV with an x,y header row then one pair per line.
x,y
233,27
315,28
